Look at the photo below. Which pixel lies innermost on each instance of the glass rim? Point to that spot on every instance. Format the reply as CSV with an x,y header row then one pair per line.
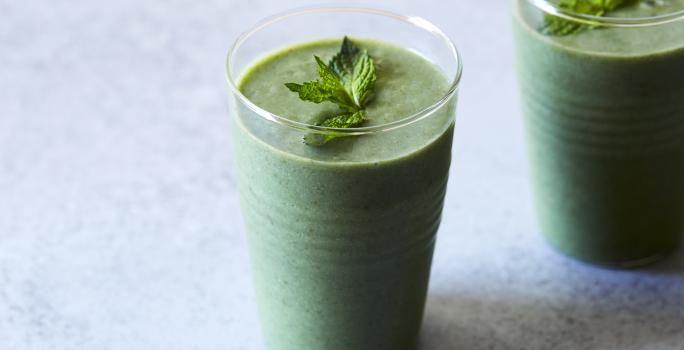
x,y
552,8
416,21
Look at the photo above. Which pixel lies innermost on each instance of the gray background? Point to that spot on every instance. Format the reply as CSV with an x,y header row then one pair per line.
x,y
119,224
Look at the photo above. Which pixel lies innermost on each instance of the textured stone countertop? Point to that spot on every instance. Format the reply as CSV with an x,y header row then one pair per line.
x,y
119,224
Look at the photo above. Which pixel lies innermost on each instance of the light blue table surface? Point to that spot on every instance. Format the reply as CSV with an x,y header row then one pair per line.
x,y
119,223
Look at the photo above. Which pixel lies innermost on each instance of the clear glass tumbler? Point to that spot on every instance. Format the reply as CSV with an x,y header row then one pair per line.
x,y
341,236
603,98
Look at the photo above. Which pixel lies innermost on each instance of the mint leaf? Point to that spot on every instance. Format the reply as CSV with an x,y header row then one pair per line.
x,y
313,91
347,81
328,88
557,26
343,62
341,121
345,120
363,79
356,70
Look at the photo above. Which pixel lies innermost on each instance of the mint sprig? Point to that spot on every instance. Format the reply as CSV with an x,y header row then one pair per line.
x,y
556,26
347,81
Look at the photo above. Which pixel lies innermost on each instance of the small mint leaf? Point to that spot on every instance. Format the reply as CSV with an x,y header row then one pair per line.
x,y
343,62
352,120
331,82
317,139
363,78
356,71
312,91
345,120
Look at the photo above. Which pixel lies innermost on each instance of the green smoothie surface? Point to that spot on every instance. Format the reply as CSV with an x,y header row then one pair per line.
x,y
406,84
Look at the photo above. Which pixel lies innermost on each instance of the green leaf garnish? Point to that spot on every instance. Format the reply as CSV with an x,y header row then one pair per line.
x,y
557,26
341,121
347,81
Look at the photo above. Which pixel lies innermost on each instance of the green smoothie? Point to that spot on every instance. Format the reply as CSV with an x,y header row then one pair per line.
x,y
604,111
341,235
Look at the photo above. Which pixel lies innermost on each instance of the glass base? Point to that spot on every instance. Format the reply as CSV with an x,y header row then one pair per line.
x,y
624,264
